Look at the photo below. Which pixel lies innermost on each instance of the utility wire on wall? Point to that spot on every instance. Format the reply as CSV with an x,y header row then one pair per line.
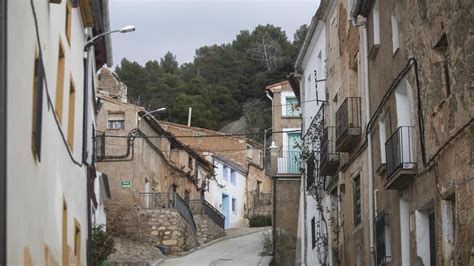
x,y
48,96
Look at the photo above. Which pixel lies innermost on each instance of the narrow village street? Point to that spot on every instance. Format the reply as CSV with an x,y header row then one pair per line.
x,y
242,250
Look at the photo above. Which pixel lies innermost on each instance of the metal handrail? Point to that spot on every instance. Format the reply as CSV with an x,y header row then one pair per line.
x,y
348,116
183,209
289,162
399,150
203,207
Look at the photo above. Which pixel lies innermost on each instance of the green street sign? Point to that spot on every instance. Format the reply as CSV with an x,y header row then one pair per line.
x,y
126,184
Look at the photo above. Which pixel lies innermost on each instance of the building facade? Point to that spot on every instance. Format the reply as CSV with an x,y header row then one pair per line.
x,y
286,171
395,145
228,192
241,154
49,150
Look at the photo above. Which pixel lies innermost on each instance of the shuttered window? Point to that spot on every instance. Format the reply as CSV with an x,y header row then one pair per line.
x,y
357,200
37,110
116,120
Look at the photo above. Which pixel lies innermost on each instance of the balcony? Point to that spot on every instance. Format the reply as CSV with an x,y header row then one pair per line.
x,y
329,156
401,164
289,163
171,200
348,124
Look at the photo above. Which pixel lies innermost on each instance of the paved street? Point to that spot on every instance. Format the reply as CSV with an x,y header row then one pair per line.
x,y
243,250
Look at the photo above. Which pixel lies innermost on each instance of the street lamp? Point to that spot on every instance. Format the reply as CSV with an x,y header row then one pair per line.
x,y
125,29
154,111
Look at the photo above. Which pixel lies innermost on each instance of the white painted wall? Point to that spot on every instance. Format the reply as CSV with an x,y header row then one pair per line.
x,y
99,216
236,191
36,190
313,60
405,231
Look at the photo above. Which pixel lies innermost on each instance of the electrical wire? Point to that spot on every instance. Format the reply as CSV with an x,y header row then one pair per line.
x,y
205,136
48,96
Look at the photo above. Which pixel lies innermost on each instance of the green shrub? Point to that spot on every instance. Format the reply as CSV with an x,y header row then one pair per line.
x,y
260,220
102,245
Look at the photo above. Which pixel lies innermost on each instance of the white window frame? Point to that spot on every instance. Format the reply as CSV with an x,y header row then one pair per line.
x,y
114,121
225,174
233,176
233,204
285,95
285,136
395,37
376,22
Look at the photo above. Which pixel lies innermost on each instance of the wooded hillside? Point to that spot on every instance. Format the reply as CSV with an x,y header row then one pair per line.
x,y
223,83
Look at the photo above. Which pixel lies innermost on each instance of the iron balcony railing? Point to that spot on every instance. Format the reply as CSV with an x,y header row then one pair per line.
x,y
329,155
99,145
164,200
348,117
328,142
289,162
399,150
203,207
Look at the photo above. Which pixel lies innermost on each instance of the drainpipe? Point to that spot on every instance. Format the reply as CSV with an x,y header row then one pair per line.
x,y
363,24
3,132
268,96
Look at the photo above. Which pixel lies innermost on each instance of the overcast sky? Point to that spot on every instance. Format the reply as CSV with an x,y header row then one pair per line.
x,y
182,26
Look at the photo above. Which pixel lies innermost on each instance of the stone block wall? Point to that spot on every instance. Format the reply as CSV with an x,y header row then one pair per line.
x,y
207,230
166,227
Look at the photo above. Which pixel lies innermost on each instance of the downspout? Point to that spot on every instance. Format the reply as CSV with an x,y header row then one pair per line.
x,y
268,96
84,157
3,132
368,134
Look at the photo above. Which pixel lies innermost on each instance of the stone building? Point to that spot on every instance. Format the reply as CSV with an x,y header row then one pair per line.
x,y
401,189
286,170
153,178
111,85
421,123
238,153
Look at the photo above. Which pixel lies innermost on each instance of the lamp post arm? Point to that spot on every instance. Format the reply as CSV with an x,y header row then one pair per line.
x,y
91,41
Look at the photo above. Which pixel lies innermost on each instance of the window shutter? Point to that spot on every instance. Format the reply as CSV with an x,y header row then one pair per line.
x,y
39,108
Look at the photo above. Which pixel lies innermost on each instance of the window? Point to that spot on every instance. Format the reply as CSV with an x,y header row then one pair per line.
x,y
77,241
292,106
72,107
383,238
68,21
313,232
65,255
383,139
249,151
234,205
226,172
190,162
395,41
232,176
116,120
58,105
425,234
37,106
376,22
357,200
